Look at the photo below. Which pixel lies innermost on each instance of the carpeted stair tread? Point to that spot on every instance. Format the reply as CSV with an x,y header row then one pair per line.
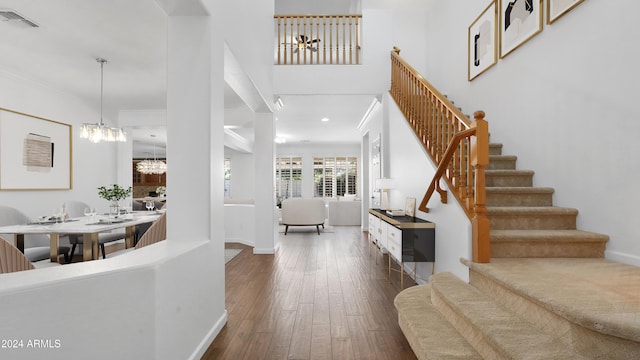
x,y
519,196
495,149
597,294
497,332
502,162
519,189
508,177
523,210
430,335
547,235
547,244
532,217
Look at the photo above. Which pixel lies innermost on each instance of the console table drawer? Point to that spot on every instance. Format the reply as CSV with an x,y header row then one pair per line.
x,y
394,247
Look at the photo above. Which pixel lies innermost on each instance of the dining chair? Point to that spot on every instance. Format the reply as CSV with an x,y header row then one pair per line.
x,y
13,260
75,209
36,247
156,232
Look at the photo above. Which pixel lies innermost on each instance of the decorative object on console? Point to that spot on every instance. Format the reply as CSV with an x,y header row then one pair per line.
x,y
100,132
395,212
384,185
410,207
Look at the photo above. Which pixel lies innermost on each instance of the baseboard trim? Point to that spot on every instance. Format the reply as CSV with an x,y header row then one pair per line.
x,y
622,257
211,335
240,241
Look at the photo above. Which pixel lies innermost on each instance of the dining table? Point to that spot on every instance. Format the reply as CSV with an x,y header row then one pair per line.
x,y
89,227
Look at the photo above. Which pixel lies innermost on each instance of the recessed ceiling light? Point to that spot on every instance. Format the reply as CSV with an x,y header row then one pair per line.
x,y
280,140
324,119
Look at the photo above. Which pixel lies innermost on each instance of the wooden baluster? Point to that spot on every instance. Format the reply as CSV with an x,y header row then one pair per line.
x,y
350,40
291,38
279,39
344,41
358,40
324,40
331,39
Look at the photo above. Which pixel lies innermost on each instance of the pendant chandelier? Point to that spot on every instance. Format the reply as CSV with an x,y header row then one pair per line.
x,y
154,166
100,132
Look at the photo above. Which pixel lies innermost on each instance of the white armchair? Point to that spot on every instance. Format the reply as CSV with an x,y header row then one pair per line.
x,y
303,212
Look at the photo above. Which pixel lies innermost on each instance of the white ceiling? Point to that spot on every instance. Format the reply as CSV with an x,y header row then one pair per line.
x,y
131,36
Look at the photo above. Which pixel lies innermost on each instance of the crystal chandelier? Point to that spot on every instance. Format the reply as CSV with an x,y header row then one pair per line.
x,y
100,132
154,166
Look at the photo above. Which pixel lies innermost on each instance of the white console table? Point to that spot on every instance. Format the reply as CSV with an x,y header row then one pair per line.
x,y
407,239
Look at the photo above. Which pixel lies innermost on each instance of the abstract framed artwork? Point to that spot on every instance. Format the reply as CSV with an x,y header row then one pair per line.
x,y
557,8
520,20
35,153
482,42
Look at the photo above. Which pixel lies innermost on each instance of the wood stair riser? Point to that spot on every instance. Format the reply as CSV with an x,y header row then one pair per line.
x,y
588,343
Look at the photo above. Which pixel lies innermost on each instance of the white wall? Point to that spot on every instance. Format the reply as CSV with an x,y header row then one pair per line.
x,y
564,103
242,174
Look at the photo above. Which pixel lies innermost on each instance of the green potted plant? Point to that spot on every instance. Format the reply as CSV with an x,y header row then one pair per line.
x,y
115,193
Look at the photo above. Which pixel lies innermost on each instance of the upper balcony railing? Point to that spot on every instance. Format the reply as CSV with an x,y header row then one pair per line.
x,y
317,39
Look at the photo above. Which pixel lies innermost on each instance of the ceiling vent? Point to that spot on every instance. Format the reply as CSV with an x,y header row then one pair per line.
x,y
16,19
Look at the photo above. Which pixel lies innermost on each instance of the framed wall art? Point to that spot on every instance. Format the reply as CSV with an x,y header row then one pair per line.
x,y
35,153
520,20
482,42
557,8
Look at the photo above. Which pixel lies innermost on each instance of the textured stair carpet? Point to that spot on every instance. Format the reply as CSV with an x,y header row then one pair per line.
x,y
230,254
601,297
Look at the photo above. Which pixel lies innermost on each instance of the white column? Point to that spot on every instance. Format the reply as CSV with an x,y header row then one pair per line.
x,y
265,204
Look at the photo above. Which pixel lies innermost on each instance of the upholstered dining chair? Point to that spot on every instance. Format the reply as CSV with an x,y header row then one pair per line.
x,y
36,247
13,260
156,232
76,209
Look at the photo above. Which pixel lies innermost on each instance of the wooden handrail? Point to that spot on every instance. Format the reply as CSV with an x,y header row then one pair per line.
x,y
442,168
459,147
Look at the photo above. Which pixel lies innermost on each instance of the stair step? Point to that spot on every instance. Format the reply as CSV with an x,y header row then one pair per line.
x,y
510,178
491,329
519,196
547,243
430,335
591,305
495,149
532,217
502,162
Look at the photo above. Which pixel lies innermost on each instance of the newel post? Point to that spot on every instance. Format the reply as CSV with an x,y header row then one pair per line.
x,y
481,244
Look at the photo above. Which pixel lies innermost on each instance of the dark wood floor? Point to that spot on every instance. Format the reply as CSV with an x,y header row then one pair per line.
x,y
319,297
